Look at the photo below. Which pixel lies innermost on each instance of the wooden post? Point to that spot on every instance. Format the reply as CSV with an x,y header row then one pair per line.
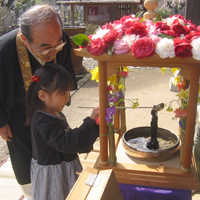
x,y
150,5
191,119
72,15
116,117
103,101
192,11
123,118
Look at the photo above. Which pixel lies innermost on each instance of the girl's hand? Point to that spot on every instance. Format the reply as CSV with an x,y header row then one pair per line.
x,y
95,113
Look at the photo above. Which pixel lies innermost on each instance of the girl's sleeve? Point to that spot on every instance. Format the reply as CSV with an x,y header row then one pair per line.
x,y
76,140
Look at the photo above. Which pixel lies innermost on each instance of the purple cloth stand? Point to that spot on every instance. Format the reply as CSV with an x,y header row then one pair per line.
x,y
136,192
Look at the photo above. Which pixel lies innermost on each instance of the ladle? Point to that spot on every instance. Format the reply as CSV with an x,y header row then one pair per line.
x,y
153,142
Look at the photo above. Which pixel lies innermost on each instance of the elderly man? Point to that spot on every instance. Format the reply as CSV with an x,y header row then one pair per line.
x,y
39,39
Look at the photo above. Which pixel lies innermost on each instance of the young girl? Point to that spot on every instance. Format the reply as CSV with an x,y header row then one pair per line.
x,y
55,145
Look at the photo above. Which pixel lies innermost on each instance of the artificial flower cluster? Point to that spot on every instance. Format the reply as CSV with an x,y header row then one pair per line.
x,y
182,101
116,91
170,37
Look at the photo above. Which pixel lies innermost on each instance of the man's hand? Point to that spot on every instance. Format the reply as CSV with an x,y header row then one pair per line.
x,y
6,133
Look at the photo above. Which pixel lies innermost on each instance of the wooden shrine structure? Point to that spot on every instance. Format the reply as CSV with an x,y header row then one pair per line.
x,y
100,12
164,174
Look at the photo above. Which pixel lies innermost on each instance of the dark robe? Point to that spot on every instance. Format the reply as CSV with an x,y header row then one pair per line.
x,y
12,100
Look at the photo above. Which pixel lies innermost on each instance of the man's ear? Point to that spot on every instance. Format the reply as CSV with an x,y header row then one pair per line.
x,y
42,95
24,39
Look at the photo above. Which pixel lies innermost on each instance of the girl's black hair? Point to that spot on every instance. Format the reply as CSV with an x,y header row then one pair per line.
x,y
52,77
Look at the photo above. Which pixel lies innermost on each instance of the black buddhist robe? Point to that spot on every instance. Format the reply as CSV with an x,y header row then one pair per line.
x,y
12,100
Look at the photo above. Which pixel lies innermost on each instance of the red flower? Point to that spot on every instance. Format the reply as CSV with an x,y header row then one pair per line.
x,y
170,33
162,26
109,88
143,47
179,28
180,17
192,27
81,47
181,85
182,48
192,35
97,47
138,29
35,78
110,36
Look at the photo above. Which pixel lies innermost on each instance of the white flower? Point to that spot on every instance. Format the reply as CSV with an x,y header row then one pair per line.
x,y
100,33
130,39
165,48
196,48
171,19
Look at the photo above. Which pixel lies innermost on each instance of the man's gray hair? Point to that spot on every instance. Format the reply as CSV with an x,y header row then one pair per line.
x,y
35,15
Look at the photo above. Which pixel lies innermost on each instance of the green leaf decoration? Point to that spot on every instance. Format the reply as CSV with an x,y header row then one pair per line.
x,y
162,35
110,50
159,18
80,39
139,13
142,20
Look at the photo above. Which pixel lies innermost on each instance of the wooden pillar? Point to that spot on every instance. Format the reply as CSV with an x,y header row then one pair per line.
x,y
103,101
72,15
150,5
192,11
191,118
123,118
116,117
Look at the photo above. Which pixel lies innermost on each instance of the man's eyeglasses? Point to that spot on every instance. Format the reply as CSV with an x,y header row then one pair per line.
x,y
48,51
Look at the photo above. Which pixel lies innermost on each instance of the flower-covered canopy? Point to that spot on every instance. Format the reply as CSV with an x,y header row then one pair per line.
x,y
170,37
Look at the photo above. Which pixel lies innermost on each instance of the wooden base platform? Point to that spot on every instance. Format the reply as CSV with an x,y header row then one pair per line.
x,y
167,174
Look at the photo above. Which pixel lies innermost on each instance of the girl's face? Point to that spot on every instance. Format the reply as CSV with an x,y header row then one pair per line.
x,y
55,101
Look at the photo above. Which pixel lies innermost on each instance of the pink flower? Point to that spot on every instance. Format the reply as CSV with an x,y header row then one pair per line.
x,y
129,23
143,47
121,47
107,26
123,73
155,38
119,30
152,31
97,47
148,23
124,18
180,113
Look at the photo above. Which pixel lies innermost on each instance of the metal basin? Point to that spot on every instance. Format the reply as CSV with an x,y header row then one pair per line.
x,y
145,154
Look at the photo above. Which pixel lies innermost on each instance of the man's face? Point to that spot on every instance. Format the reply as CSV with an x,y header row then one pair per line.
x,y
45,36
